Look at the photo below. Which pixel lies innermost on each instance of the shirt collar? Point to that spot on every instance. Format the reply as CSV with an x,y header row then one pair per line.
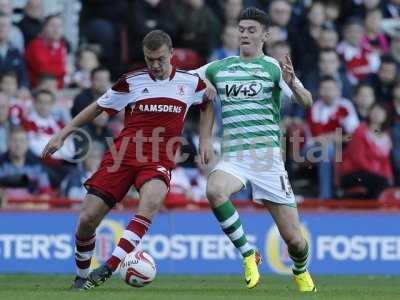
x,y
171,76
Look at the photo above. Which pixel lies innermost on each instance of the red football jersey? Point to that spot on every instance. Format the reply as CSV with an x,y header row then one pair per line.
x,y
154,115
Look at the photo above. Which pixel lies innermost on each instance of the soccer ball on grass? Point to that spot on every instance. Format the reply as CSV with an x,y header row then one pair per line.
x,y
138,269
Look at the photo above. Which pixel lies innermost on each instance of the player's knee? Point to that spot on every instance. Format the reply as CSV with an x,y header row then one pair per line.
x,y
88,221
215,193
151,202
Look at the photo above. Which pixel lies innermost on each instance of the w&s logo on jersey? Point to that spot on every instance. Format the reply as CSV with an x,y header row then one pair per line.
x,y
243,90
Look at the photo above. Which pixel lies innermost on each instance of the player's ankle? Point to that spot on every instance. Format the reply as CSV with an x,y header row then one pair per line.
x,y
112,263
248,253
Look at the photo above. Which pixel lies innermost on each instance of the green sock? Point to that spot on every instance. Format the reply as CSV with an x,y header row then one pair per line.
x,y
232,227
300,260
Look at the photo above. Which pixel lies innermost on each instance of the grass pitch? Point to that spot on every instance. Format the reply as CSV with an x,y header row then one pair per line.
x,y
54,287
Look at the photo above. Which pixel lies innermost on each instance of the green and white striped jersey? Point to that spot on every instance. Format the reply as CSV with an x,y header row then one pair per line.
x,y
250,93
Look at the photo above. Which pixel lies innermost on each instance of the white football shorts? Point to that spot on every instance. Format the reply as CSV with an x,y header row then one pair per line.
x,y
268,178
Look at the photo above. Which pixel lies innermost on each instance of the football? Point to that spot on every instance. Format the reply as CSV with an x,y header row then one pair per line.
x,y
138,269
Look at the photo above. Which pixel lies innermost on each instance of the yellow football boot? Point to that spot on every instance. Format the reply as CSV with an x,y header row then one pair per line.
x,y
304,282
251,274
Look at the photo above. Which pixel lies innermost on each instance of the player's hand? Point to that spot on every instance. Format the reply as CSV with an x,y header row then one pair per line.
x,y
287,70
206,151
211,92
55,143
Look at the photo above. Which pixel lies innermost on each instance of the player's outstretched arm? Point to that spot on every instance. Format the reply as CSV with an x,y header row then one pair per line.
x,y
205,140
300,94
85,116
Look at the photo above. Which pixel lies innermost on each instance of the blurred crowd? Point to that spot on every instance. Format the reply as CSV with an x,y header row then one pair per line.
x,y
347,53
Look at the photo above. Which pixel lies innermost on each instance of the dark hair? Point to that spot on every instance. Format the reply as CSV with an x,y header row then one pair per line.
x,y
255,14
98,69
44,92
49,17
327,78
155,39
387,59
12,74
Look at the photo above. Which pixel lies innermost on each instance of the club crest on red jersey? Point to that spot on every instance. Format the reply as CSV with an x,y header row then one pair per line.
x,y
181,90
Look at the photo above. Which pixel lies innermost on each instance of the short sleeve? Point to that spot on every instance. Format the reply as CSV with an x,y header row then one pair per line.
x,y
283,85
198,95
202,71
116,98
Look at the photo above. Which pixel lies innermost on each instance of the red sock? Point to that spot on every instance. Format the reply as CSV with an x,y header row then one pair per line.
x,y
131,237
84,249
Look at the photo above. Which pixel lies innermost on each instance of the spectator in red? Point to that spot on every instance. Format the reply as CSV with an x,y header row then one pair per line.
x,y
41,125
360,62
329,113
374,39
366,159
47,54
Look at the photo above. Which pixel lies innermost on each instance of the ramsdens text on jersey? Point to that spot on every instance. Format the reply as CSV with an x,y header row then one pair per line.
x,y
160,108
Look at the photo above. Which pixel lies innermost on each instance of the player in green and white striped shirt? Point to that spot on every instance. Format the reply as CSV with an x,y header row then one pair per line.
x,y
250,88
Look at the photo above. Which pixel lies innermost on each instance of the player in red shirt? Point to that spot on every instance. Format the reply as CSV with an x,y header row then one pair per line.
x,y
155,100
